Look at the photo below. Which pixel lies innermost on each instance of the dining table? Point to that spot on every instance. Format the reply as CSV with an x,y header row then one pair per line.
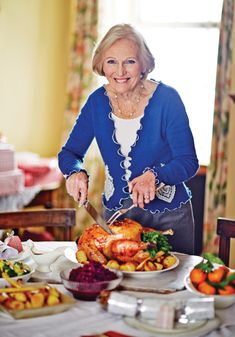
x,y
89,318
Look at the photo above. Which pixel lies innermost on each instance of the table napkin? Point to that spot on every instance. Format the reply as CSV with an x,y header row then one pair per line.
x,y
7,252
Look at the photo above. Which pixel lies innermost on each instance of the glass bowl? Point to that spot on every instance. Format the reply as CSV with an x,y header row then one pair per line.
x,y
89,291
221,301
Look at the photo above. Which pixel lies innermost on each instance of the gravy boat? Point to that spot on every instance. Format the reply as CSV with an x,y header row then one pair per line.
x,y
43,259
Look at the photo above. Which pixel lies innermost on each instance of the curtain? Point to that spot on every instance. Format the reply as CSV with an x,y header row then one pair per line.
x,y
80,84
80,78
216,179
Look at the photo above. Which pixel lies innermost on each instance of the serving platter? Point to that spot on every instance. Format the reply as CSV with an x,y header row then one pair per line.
x,y
67,303
70,254
153,273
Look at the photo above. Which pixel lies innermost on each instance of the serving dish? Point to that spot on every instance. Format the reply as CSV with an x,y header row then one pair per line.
x,y
89,291
221,301
14,271
66,303
70,254
23,278
148,274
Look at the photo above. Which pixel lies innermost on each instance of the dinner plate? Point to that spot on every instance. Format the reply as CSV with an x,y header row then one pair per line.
x,y
180,330
70,254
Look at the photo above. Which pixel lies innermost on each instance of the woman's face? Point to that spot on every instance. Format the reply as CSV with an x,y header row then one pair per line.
x,y
121,66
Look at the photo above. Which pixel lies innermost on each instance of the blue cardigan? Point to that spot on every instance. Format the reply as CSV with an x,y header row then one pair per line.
x,y
164,144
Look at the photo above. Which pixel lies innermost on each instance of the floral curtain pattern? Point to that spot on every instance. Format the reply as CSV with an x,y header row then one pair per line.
x,y
80,85
80,78
216,180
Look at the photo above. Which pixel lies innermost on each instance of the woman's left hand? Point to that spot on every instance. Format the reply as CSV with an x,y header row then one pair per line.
x,y
143,188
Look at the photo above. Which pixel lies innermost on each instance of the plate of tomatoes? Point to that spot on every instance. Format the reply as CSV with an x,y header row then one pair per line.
x,y
212,279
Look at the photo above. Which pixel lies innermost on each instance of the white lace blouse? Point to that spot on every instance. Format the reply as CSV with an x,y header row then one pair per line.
x,y
126,134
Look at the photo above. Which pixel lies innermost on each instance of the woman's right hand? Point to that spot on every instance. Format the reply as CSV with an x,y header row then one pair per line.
x,y
77,187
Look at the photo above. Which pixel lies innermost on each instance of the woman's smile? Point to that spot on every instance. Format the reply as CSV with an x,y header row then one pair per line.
x,y
121,66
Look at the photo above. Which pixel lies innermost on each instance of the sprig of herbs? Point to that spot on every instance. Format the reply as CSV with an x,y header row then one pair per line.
x,y
207,264
213,258
157,241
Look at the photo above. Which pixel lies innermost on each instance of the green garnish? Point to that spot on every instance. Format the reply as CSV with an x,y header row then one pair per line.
x,y
157,241
212,258
207,265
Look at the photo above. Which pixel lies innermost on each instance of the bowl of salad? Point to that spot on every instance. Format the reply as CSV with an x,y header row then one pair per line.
x,y
11,271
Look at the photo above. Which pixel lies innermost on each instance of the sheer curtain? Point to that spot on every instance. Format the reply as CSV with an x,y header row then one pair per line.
x,y
216,180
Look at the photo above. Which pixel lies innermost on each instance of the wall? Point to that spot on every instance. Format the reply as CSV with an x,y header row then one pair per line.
x,y
34,37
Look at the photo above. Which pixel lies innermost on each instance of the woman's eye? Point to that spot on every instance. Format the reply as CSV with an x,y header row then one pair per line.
x,y
130,61
111,62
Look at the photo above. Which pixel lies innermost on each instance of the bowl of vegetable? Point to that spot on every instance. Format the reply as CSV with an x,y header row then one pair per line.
x,y
87,281
11,271
213,280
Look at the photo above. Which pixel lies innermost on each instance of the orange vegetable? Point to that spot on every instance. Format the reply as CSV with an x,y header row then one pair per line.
x,y
216,275
227,290
206,288
231,273
197,276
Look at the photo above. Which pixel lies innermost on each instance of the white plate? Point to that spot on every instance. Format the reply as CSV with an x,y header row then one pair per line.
x,y
70,254
187,330
24,278
221,301
147,274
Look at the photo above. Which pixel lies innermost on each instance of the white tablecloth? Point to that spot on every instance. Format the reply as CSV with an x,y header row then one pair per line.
x,y
87,318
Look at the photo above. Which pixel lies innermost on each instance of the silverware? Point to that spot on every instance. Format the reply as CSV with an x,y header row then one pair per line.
x,y
96,216
118,213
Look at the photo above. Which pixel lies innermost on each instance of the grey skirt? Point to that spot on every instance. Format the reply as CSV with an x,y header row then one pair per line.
x,y
180,220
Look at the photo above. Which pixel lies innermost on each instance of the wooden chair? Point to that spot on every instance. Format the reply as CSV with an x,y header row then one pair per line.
x,y
55,218
226,231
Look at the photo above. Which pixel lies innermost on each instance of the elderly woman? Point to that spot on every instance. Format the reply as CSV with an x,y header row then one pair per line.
x,y
143,134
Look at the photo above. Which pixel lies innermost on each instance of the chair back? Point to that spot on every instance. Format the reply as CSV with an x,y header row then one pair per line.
x,y
56,217
226,231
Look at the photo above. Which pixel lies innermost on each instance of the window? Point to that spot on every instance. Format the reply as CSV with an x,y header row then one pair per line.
x,y
183,36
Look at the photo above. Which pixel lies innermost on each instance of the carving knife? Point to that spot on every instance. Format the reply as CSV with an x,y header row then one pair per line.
x,y
96,216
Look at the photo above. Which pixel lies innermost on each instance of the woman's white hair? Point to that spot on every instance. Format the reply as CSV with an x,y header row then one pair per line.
x,y
123,31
